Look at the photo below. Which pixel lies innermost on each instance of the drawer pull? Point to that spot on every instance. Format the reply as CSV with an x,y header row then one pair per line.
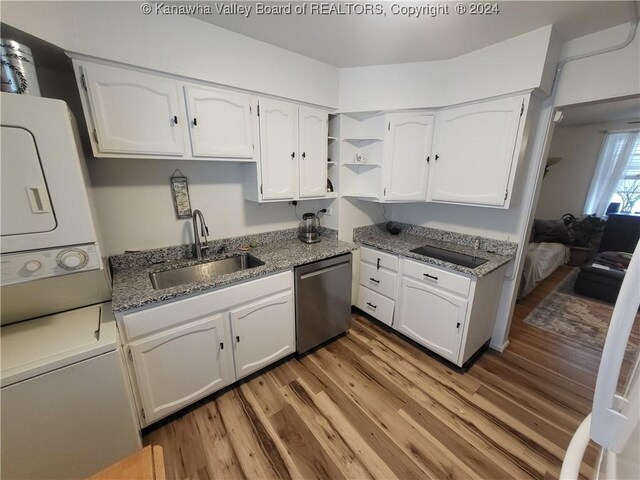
x,y
430,276
372,305
374,280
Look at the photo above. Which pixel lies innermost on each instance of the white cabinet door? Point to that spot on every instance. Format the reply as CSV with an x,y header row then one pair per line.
x,y
474,152
176,368
219,122
278,149
312,140
407,154
263,332
134,112
431,317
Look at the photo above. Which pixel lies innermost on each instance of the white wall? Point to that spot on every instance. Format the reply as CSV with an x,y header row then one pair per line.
x,y
610,75
180,45
521,63
565,187
135,206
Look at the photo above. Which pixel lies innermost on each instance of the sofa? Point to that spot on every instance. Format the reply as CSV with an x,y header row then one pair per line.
x,y
602,276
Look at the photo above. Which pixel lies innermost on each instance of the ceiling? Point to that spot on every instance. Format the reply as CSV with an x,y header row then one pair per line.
x,y
627,109
358,40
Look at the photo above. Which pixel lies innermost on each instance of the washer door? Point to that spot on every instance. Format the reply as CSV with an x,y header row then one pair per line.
x,y
24,191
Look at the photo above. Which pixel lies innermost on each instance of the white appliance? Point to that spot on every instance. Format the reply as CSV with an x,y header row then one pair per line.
x,y
613,423
45,206
67,407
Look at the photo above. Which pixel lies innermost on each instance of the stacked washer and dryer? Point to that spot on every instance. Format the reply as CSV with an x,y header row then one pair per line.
x,y
67,410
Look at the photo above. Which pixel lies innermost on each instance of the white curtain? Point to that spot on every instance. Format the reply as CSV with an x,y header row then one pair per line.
x,y
614,158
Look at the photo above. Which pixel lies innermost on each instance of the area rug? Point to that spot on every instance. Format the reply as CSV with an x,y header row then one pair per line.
x,y
578,318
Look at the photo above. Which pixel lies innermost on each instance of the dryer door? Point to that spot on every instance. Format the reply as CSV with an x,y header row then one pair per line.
x,y
25,197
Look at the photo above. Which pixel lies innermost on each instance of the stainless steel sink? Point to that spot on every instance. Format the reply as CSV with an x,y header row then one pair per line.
x,y
203,271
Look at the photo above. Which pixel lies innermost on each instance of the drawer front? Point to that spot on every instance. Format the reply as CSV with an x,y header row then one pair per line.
x,y
375,305
379,259
382,281
435,276
167,316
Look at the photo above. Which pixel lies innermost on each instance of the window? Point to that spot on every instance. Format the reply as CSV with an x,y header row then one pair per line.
x,y
627,194
617,175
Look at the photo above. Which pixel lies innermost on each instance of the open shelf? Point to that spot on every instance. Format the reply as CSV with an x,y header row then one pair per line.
x,y
370,165
360,116
360,195
361,140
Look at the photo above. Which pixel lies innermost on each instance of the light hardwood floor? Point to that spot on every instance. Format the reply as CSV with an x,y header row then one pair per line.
x,y
373,405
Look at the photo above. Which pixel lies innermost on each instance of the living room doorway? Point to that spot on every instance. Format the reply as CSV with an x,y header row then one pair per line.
x,y
587,224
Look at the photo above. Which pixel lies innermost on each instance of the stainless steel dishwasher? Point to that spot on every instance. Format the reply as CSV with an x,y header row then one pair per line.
x,y
323,301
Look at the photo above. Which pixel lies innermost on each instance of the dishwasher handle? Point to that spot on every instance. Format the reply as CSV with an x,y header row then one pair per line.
x,y
325,270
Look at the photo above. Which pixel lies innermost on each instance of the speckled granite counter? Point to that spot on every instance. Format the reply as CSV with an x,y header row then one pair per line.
x,y
497,252
280,251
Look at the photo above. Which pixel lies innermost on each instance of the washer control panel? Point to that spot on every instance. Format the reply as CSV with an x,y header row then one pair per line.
x,y
37,264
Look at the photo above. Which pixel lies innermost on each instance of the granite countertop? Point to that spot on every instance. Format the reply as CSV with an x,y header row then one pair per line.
x,y
280,251
497,252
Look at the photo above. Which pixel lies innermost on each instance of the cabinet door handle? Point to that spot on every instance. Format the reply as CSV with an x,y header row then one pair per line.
x,y
378,264
221,346
195,122
458,325
175,119
430,276
374,280
428,158
304,155
372,305
437,157
293,155
237,339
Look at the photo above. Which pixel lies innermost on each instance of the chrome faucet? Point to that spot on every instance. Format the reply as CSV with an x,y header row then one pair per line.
x,y
197,237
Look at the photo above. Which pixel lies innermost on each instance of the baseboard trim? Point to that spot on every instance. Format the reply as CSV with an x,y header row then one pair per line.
x,y
499,348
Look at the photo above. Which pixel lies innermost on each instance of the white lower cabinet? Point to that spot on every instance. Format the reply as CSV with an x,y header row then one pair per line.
x,y
432,317
262,333
378,284
447,312
185,350
176,368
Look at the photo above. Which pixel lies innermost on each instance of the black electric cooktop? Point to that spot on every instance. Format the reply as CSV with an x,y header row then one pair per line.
x,y
449,256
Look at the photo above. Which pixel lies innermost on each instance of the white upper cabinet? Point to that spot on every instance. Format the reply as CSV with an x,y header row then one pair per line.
x,y
475,153
220,123
134,113
407,151
292,162
278,147
312,142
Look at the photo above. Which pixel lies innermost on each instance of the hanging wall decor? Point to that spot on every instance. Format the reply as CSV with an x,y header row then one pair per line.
x,y
180,191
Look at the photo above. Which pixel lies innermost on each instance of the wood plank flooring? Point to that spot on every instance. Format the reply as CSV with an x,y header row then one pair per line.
x,y
372,405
